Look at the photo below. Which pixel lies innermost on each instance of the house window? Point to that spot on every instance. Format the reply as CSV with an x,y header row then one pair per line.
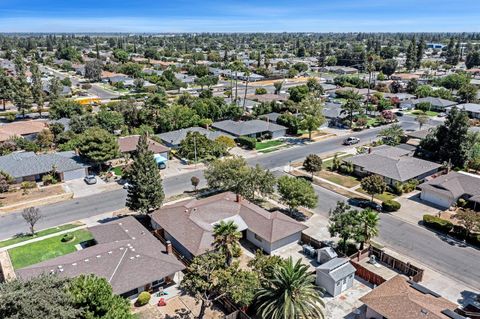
x,y
158,282
258,238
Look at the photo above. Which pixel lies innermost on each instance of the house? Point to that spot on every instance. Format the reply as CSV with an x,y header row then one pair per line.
x,y
404,76
447,189
400,96
28,166
437,104
189,224
269,97
335,276
174,138
362,92
399,298
26,129
125,253
393,164
339,70
128,145
472,109
270,117
253,128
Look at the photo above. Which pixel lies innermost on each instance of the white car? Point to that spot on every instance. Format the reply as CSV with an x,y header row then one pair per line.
x,y
351,140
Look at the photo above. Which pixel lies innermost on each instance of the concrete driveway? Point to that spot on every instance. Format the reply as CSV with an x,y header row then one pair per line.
x,y
81,189
413,208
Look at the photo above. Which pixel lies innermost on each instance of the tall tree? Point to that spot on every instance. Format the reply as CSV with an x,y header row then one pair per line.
x,y
373,185
312,114
97,145
37,87
22,95
296,192
146,191
420,51
411,61
290,294
226,239
343,223
312,164
93,70
7,88
352,106
368,226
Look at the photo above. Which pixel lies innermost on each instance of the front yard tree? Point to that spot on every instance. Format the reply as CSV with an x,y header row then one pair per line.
x,y
422,120
352,106
296,192
93,70
392,135
226,239
373,185
98,145
313,164
32,216
195,181
368,226
290,294
343,223
146,191
469,219
312,113
468,93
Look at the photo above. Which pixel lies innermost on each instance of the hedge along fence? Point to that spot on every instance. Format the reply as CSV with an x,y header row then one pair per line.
x,y
248,142
448,228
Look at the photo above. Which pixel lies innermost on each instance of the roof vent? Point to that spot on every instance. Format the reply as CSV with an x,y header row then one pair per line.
x,y
98,256
138,256
59,266
126,230
61,270
133,249
121,248
74,264
133,238
132,258
120,224
110,252
86,260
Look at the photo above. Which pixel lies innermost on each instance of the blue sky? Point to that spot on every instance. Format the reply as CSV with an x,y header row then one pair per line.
x,y
239,16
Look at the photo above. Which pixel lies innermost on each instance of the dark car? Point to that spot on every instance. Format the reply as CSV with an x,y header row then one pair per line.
x,y
162,165
351,140
90,179
399,113
364,203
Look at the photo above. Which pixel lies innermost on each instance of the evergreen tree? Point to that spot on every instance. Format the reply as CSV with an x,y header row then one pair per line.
x,y
452,56
37,87
420,51
411,61
146,191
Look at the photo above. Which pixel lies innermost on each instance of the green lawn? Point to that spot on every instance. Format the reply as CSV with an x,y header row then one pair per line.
x,y
383,197
328,163
117,170
343,180
267,144
46,249
41,233
429,113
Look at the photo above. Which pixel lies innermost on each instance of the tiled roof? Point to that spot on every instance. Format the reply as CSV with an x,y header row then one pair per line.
x,y
20,128
129,144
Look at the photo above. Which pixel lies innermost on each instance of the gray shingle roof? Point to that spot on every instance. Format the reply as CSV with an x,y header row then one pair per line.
x,y
454,185
434,101
28,163
175,137
337,268
247,127
126,254
393,162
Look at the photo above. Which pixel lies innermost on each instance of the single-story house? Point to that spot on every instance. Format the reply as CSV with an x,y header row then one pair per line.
x,y
447,189
393,164
362,92
269,97
270,117
66,90
189,224
28,166
173,138
472,109
335,276
400,96
185,78
253,128
437,104
128,145
400,298
26,129
339,70
125,253
404,76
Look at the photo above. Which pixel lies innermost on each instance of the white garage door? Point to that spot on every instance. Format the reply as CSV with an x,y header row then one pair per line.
x,y
435,199
79,173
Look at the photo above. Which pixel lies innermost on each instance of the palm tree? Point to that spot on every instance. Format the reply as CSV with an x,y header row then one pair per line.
x,y
226,239
368,227
247,75
291,294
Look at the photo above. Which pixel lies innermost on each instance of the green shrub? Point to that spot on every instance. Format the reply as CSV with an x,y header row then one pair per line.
x,y
410,185
391,205
437,223
397,188
67,237
459,232
143,298
474,239
461,202
49,180
248,142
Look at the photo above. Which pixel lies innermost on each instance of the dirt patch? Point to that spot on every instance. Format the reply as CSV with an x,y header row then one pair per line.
x,y
345,181
18,197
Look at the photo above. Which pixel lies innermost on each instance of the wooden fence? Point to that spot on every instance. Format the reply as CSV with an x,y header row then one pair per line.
x,y
405,268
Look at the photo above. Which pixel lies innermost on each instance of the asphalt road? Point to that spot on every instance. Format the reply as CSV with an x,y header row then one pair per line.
x,y
459,263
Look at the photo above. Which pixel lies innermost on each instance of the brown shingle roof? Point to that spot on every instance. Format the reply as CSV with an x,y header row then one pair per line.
x,y
191,222
21,128
129,144
396,299
127,255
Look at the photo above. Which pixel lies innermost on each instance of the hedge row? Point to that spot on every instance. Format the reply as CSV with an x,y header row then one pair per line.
x,y
449,228
248,142
437,223
391,205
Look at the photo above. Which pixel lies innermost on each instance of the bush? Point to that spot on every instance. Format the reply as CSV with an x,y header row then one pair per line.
x,y
143,298
391,205
437,223
27,185
49,180
474,239
248,142
461,202
397,188
67,237
459,232
410,185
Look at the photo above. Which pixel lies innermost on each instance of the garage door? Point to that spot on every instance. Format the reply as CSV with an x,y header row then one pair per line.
x,y
435,199
79,173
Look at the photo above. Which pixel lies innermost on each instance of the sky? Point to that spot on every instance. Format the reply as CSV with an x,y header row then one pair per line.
x,y
239,16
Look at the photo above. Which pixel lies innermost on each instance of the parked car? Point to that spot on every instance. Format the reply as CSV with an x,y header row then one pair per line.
x,y
90,179
442,114
162,165
398,113
364,203
351,140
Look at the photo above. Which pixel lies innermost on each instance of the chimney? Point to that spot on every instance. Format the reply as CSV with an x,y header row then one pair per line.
x,y
239,198
369,150
168,246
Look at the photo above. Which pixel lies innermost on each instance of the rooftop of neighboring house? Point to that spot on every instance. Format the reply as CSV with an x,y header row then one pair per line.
x,y
177,136
337,268
455,184
399,298
393,162
269,97
21,128
405,76
239,128
435,101
469,107
191,221
126,254
21,164
358,91
129,144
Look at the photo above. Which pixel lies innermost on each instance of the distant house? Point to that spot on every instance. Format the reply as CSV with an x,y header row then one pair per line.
x,y
189,224
472,109
128,145
339,70
66,90
253,128
393,164
404,76
437,104
125,253
26,129
28,166
362,92
269,97
447,189
399,298
174,138
335,276
400,96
